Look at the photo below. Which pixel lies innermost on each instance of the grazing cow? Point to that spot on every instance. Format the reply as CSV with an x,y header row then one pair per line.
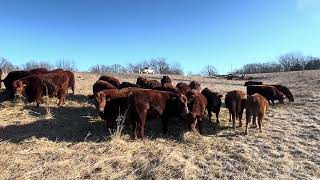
x,y
38,71
33,87
147,84
102,85
285,91
249,83
12,76
235,103
0,77
128,84
197,104
256,105
110,79
183,87
195,85
160,103
269,92
214,102
165,79
72,81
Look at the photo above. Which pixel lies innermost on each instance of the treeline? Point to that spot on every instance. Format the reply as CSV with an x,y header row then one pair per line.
x,y
159,65
66,64
287,62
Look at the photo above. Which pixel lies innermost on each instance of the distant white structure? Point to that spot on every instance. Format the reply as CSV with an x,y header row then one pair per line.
x,y
147,70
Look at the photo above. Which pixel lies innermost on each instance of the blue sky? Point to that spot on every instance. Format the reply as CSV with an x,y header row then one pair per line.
x,y
222,33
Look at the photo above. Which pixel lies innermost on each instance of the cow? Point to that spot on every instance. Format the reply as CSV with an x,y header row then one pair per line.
x,y
197,104
160,103
214,102
249,83
147,84
110,79
256,105
183,87
128,84
165,79
11,77
167,87
101,85
235,103
72,81
33,87
56,71
285,91
269,92
38,71
195,85
0,77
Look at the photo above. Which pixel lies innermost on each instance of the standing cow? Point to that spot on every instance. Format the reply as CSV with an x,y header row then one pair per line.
x,y
235,103
214,102
256,106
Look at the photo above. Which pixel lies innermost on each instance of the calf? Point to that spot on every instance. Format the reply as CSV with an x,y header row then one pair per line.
x,y
165,79
214,102
235,103
197,104
110,79
160,103
249,83
269,92
128,84
195,85
285,91
256,105
183,87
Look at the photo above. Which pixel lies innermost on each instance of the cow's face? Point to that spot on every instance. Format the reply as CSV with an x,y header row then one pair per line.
x,y
280,98
19,87
182,104
100,102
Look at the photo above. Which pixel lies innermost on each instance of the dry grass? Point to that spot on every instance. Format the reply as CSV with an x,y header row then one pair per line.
x,y
74,143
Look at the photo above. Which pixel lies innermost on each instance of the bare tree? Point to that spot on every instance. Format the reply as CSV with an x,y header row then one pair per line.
x,y
66,64
209,70
34,64
7,66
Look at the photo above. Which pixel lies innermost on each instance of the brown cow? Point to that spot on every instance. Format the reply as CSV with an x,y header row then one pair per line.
x,y
183,87
38,71
235,103
161,103
256,105
110,79
35,86
197,104
12,76
102,85
249,83
167,87
195,85
128,84
147,84
165,79
269,92
214,102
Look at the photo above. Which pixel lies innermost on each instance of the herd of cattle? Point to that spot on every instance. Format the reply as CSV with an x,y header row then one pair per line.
x,y
147,99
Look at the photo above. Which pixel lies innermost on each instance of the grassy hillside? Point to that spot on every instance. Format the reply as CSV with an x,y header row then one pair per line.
x,y
74,143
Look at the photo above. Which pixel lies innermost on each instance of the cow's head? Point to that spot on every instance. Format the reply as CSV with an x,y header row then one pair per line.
x,y
280,97
19,87
182,104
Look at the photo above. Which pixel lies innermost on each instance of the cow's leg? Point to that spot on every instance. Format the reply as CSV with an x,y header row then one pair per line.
x,y
199,125
248,117
260,117
254,119
233,119
209,114
217,116
193,125
229,116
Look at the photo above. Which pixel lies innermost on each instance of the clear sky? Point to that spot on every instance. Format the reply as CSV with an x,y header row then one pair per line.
x,y
195,33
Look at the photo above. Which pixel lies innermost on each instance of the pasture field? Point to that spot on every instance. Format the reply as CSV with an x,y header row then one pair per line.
x,y
74,143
